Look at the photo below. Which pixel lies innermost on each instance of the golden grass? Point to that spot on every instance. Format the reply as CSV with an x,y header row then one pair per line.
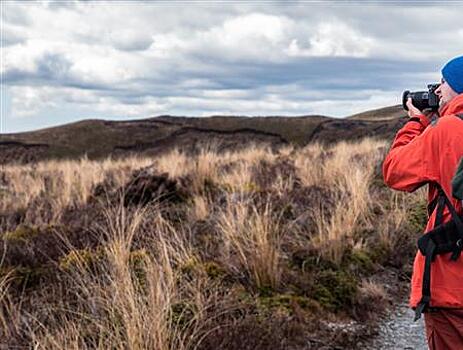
x,y
70,183
251,155
64,183
205,166
201,208
372,290
283,184
396,207
10,312
347,171
137,308
132,307
308,164
238,179
286,151
254,236
176,163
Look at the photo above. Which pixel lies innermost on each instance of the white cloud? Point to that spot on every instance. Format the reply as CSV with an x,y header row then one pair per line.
x,y
229,93
333,39
130,39
248,33
166,45
146,107
141,58
252,36
88,64
27,100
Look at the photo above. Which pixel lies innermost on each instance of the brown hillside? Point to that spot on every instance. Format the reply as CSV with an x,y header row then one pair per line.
x,y
386,113
101,138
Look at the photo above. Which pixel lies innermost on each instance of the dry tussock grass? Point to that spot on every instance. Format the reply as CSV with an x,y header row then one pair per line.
x,y
64,183
132,303
255,237
348,170
153,288
201,208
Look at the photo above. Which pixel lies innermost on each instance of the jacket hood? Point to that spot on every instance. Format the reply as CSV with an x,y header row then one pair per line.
x,y
455,106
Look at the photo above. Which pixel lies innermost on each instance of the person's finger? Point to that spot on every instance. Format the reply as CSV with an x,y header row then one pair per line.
x,y
410,104
411,107
412,110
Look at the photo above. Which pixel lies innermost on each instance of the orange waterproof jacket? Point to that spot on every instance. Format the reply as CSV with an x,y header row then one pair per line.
x,y
427,153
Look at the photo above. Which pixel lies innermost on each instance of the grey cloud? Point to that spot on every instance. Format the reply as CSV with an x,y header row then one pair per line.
x,y
15,13
58,5
16,77
135,45
127,42
53,67
194,70
334,79
10,39
314,78
320,72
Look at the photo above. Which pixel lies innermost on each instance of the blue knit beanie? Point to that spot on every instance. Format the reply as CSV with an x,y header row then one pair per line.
x,y
453,74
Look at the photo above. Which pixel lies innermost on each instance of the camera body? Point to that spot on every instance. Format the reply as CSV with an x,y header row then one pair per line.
x,y
422,99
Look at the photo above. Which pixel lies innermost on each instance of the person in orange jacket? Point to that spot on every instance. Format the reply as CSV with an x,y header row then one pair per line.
x,y
425,152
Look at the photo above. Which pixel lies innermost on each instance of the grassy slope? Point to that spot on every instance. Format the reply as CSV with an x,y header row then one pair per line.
x,y
386,113
98,138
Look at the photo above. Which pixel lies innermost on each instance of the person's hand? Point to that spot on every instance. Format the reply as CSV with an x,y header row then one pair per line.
x,y
412,110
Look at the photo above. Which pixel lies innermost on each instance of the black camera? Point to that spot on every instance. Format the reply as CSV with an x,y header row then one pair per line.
x,y
422,99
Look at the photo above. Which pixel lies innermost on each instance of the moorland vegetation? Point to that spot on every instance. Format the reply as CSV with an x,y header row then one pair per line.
x,y
258,248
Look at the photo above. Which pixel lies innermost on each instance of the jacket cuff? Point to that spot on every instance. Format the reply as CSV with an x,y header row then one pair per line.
x,y
422,119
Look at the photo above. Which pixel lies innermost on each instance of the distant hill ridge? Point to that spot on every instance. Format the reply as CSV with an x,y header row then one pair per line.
x,y
101,138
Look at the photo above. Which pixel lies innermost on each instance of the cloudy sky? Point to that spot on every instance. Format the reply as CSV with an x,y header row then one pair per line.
x,y
63,61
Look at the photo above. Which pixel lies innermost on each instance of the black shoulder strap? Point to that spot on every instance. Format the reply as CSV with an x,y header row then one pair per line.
x,y
459,226
432,205
439,202
445,201
440,206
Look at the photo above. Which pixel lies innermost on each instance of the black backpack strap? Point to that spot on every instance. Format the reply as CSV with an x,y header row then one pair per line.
x,y
431,251
440,205
459,226
432,205
426,287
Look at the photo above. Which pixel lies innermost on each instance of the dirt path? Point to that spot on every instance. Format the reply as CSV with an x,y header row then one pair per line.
x,y
399,332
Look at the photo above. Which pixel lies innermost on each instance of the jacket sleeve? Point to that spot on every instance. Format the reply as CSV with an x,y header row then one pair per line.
x,y
410,162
